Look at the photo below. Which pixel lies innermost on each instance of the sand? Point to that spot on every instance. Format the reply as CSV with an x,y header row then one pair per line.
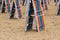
x,y
14,29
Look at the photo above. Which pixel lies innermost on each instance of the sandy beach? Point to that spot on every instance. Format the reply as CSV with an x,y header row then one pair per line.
x,y
14,29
